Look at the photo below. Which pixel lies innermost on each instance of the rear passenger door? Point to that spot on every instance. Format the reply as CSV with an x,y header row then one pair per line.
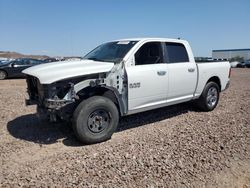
x,y
182,73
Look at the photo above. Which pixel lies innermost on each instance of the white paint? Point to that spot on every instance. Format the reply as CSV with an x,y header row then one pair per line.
x,y
52,72
160,84
178,85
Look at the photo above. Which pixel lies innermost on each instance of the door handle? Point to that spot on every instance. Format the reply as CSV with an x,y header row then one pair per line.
x,y
161,73
191,70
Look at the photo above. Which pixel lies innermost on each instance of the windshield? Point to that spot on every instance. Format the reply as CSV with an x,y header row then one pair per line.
x,y
111,51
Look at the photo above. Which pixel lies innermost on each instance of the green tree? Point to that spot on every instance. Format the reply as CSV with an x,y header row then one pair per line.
x,y
236,58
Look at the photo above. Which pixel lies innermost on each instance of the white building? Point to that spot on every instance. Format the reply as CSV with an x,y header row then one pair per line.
x,y
228,54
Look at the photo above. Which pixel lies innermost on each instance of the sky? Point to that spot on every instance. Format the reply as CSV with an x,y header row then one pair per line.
x,y
74,27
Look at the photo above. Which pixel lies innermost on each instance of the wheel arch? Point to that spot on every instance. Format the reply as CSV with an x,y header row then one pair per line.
x,y
105,91
215,79
5,72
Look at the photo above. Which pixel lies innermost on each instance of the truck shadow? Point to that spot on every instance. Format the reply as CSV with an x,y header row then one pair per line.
x,y
152,116
31,128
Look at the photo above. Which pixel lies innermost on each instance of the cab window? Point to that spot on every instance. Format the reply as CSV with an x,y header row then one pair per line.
x,y
149,53
33,61
175,53
20,62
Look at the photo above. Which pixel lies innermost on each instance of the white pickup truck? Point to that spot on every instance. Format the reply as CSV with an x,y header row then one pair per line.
x,y
120,78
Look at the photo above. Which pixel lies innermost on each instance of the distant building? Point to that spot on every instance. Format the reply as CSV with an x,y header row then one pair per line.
x,y
231,53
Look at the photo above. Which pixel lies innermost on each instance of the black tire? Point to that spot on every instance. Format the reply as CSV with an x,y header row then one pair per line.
x,y
3,75
204,103
95,120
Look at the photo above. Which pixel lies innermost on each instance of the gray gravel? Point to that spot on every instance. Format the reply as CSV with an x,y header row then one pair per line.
x,y
177,146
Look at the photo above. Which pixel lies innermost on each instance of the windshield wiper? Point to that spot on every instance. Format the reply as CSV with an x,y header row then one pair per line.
x,y
94,59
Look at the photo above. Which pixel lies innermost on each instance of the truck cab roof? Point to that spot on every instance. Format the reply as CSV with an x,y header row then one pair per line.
x,y
152,39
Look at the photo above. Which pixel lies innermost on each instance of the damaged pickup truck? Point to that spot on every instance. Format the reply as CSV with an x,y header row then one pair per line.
x,y
120,78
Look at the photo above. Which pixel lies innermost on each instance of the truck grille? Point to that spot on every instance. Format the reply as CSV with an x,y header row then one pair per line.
x,y
35,89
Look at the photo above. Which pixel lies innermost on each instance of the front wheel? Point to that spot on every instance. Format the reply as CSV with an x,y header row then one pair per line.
x,y
95,120
209,97
3,75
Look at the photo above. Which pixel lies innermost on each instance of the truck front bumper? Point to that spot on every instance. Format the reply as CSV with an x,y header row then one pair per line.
x,y
56,104
50,109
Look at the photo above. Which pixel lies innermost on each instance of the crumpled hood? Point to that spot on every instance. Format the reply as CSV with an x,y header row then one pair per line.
x,y
51,72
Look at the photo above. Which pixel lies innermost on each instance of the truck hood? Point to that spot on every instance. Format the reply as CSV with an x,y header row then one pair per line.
x,y
56,71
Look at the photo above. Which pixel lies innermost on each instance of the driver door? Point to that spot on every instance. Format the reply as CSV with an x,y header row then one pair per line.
x,y
147,78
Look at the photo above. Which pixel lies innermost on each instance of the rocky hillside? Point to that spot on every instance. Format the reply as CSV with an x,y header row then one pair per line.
x,y
15,55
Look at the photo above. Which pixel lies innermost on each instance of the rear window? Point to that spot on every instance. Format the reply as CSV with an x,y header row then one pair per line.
x,y
176,53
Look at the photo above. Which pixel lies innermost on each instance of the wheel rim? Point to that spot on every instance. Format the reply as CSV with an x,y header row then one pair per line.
x,y
98,120
212,97
2,75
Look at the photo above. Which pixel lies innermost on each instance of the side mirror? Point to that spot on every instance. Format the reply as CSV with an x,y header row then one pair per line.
x,y
13,64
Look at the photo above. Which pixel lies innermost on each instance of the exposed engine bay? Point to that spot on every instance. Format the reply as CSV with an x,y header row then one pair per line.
x,y
59,99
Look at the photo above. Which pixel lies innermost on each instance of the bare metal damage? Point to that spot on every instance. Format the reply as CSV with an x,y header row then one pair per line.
x,y
114,81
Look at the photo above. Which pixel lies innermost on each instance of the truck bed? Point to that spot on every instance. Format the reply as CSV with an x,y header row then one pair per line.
x,y
207,70
208,61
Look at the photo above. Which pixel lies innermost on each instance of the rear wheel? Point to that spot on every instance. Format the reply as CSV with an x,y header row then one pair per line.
x,y
209,97
95,120
3,75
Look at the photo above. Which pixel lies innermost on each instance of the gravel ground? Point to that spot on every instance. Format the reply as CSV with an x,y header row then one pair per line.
x,y
177,146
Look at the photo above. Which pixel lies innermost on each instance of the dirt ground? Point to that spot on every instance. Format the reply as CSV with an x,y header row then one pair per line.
x,y
177,146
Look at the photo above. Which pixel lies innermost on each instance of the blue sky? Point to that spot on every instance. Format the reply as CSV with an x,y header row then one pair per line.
x,y
60,27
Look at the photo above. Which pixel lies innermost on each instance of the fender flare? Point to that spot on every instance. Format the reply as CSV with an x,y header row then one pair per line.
x,y
118,97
